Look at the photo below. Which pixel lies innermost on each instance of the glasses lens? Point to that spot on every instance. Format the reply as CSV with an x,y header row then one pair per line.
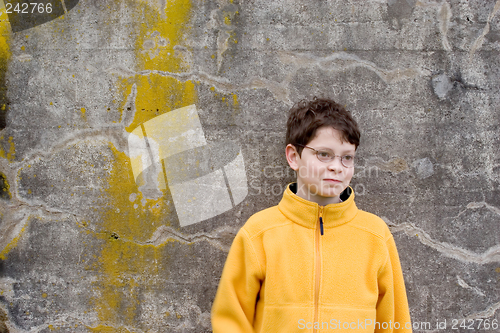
x,y
325,155
348,161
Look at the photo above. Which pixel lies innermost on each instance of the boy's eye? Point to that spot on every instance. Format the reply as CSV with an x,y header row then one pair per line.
x,y
325,154
348,157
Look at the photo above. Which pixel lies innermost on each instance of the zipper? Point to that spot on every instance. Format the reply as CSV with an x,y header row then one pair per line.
x,y
321,224
319,232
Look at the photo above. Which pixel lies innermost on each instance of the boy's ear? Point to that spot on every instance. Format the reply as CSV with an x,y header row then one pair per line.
x,y
291,156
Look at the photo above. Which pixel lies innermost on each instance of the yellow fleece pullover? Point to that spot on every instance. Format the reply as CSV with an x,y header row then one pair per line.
x,y
283,274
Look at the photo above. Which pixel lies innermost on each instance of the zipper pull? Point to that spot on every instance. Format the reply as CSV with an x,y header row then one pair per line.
x,y
321,220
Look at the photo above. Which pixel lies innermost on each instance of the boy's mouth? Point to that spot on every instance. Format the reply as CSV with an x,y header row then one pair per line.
x,y
331,180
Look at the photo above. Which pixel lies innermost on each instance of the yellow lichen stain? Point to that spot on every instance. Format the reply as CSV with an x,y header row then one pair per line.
x,y
6,185
123,262
44,295
127,263
83,114
11,155
5,56
172,28
11,245
497,270
110,329
236,105
235,101
157,94
5,32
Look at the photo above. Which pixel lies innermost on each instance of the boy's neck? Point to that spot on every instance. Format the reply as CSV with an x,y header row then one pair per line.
x,y
304,193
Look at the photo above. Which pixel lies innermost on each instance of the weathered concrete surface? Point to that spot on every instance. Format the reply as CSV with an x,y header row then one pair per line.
x,y
86,247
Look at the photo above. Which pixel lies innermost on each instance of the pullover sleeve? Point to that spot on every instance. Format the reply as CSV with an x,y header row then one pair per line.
x,y
234,305
393,314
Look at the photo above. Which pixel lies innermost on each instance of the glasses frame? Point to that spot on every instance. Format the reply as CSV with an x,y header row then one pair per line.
x,y
316,152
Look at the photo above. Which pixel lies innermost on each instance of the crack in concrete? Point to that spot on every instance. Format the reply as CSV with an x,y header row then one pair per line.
x,y
335,62
475,205
163,234
445,19
428,3
15,218
41,210
222,84
221,19
464,284
342,61
64,7
489,207
114,135
222,45
492,255
479,41
487,313
17,213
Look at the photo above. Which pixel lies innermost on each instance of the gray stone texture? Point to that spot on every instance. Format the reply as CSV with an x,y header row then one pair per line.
x,y
84,249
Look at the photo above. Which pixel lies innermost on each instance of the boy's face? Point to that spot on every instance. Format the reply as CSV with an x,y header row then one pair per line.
x,y
317,181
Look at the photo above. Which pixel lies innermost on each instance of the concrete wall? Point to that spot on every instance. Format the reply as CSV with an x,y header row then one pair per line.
x,y
118,209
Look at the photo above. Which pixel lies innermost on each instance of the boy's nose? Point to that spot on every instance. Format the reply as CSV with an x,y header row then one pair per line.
x,y
335,164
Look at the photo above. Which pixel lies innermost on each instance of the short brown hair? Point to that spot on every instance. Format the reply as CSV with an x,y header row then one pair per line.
x,y
306,117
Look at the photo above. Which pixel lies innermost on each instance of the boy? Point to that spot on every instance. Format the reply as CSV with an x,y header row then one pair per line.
x,y
315,262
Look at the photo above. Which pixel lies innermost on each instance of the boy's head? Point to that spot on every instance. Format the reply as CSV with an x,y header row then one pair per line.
x,y
316,131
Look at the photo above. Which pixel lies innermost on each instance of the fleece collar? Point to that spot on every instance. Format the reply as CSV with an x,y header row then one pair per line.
x,y
306,213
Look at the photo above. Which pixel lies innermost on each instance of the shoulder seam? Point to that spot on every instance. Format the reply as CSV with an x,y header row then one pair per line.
x,y
254,252
368,230
388,237
269,228
388,255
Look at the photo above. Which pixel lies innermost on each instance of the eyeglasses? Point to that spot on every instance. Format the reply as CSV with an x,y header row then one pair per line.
x,y
327,155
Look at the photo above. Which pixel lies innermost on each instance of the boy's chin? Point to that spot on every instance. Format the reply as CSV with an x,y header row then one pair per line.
x,y
328,194
332,191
